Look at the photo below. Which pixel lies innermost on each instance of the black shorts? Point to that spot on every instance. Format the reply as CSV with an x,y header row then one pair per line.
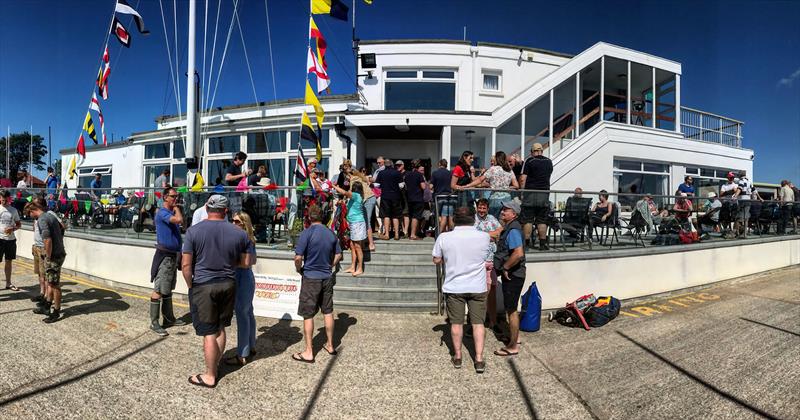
x,y
415,210
535,207
315,295
512,289
211,305
8,249
392,209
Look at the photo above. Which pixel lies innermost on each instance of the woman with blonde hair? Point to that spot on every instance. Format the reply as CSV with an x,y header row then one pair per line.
x,y
358,227
370,200
245,290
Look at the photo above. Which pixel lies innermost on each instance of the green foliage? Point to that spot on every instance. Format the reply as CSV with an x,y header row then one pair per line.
x,y
20,147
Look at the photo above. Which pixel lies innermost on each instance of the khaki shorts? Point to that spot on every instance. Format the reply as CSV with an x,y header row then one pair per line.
x,y
457,303
39,266
53,270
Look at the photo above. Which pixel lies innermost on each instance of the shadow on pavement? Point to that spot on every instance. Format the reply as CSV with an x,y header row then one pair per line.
x,y
523,389
317,389
341,324
69,380
103,301
25,292
765,325
699,380
467,342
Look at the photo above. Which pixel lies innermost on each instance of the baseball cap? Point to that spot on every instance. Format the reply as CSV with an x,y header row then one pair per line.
x,y
537,146
217,201
312,160
712,194
513,205
731,175
398,163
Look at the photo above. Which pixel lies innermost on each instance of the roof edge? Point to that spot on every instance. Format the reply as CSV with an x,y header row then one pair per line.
x,y
522,47
269,104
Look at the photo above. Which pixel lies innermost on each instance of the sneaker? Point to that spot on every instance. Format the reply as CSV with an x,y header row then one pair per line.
x,y
175,323
53,317
543,246
158,330
480,367
456,362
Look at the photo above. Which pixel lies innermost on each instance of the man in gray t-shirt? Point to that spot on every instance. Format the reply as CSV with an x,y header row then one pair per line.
x,y
212,251
52,232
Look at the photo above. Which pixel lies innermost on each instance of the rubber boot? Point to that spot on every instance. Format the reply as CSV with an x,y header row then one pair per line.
x,y
53,316
154,307
168,314
42,308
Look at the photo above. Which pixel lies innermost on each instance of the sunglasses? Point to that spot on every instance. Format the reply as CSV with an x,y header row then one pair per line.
x,y
173,195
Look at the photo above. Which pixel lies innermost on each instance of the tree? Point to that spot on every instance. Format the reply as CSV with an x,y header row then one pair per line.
x,y
20,153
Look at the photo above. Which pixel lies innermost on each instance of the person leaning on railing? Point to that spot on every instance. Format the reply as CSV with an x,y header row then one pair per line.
x,y
786,195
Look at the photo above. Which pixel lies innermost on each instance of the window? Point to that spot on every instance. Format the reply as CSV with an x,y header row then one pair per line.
x,y
509,136
325,141
177,150
86,176
491,81
420,90
665,100
151,172
178,175
634,177
420,96
275,168
268,142
156,151
323,166
216,171
226,144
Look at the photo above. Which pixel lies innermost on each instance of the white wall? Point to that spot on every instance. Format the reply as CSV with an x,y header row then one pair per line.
x,y
404,149
126,164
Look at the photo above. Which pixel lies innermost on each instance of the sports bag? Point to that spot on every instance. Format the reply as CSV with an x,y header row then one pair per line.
x,y
606,309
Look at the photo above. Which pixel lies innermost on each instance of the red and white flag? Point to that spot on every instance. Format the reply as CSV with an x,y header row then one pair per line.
x,y
102,75
323,81
122,34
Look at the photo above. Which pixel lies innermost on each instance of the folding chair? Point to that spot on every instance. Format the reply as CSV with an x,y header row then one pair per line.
x,y
609,228
637,226
575,220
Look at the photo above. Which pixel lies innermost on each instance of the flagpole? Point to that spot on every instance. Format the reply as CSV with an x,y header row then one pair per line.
x,y
30,160
8,152
191,105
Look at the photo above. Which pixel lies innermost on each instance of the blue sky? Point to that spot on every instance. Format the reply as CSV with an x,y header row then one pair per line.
x,y
740,58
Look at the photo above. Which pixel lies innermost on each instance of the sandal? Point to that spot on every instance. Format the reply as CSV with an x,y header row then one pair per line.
x,y
505,353
12,288
198,381
332,353
299,357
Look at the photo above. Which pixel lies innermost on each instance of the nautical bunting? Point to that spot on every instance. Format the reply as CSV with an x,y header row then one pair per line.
x,y
300,168
323,81
95,105
124,8
122,34
334,8
88,127
102,75
307,132
316,35
311,99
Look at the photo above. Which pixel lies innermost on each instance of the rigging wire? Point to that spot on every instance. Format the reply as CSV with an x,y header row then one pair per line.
x,y
177,63
224,53
271,63
205,38
207,86
173,75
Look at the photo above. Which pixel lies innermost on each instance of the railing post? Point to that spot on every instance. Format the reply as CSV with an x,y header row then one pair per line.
x,y
577,104
550,146
701,126
678,116
602,88
628,97
655,93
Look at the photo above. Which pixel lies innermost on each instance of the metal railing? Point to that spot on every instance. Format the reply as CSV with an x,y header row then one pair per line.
x,y
707,127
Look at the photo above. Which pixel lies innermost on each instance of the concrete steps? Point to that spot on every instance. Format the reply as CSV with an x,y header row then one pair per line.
x,y
399,276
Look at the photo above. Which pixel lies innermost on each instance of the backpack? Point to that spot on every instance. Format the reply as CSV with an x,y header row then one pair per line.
x,y
606,309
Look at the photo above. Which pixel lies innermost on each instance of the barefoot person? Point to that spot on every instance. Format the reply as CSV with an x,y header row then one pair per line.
x,y
53,237
211,252
9,222
316,255
358,226
463,252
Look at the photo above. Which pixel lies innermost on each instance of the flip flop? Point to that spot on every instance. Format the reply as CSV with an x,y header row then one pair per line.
x,y
299,357
13,288
199,382
332,353
504,353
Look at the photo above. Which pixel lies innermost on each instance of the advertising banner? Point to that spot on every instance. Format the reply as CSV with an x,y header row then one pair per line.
x,y
277,296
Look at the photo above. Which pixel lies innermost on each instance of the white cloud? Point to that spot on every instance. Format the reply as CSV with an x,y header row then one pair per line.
x,y
788,81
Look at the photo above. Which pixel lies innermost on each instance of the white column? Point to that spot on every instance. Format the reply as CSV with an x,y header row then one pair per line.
x,y
677,103
446,132
522,134
628,97
550,146
602,88
494,140
577,116
655,113
191,110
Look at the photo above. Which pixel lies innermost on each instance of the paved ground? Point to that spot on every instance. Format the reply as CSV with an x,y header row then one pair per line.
x,y
728,351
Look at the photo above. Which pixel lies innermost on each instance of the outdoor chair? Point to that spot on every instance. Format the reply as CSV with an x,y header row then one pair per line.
x,y
608,230
636,226
575,221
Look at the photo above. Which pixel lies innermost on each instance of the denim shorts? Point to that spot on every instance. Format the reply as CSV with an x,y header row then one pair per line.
x,y
446,206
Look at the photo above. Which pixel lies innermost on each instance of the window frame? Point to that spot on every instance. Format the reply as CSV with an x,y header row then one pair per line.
x,y
491,72
420,79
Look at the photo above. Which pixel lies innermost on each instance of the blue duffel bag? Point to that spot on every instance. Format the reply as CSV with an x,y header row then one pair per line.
x,y
602,313
531,313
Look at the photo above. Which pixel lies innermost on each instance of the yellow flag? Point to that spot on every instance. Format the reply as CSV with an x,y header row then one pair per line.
x,y
88,126
368,1
198,182
311,99
72,167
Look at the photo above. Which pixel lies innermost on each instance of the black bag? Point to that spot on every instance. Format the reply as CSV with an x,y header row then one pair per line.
x,y
597,316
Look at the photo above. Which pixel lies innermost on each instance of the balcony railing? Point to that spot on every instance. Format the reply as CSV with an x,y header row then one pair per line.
x,y
704,126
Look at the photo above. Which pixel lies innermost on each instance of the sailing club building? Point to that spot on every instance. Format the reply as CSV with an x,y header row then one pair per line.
x,y
610,118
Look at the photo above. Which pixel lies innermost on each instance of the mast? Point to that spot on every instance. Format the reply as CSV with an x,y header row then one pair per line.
x,y
191,96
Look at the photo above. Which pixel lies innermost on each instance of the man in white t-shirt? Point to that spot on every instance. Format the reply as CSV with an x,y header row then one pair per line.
x,y
463,251
729,192
9,222
199,215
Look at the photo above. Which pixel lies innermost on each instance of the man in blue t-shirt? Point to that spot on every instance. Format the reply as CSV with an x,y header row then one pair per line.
x,y
212,251
509,261
51,181
164,269
687,187
389,180
316,255
441,179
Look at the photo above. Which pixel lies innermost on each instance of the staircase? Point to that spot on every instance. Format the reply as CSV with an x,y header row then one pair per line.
x,y
398,276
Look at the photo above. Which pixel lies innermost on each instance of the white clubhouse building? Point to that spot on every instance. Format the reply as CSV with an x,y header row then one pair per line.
x,y
609,118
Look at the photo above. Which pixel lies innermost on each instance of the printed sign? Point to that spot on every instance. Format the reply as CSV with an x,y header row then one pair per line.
x,y
277,296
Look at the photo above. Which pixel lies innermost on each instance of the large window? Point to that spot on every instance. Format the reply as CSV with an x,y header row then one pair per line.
x,y
641,95
266,142
178,150
509,137
590,96
563,115
665,100
323,166
216,171
151,172
707,180
325,141
636,177
156,151
178,174
537,125
615,90
275,168
87,175
420,89
225,144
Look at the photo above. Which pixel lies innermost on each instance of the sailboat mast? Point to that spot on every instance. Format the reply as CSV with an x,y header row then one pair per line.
x,y
191,92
